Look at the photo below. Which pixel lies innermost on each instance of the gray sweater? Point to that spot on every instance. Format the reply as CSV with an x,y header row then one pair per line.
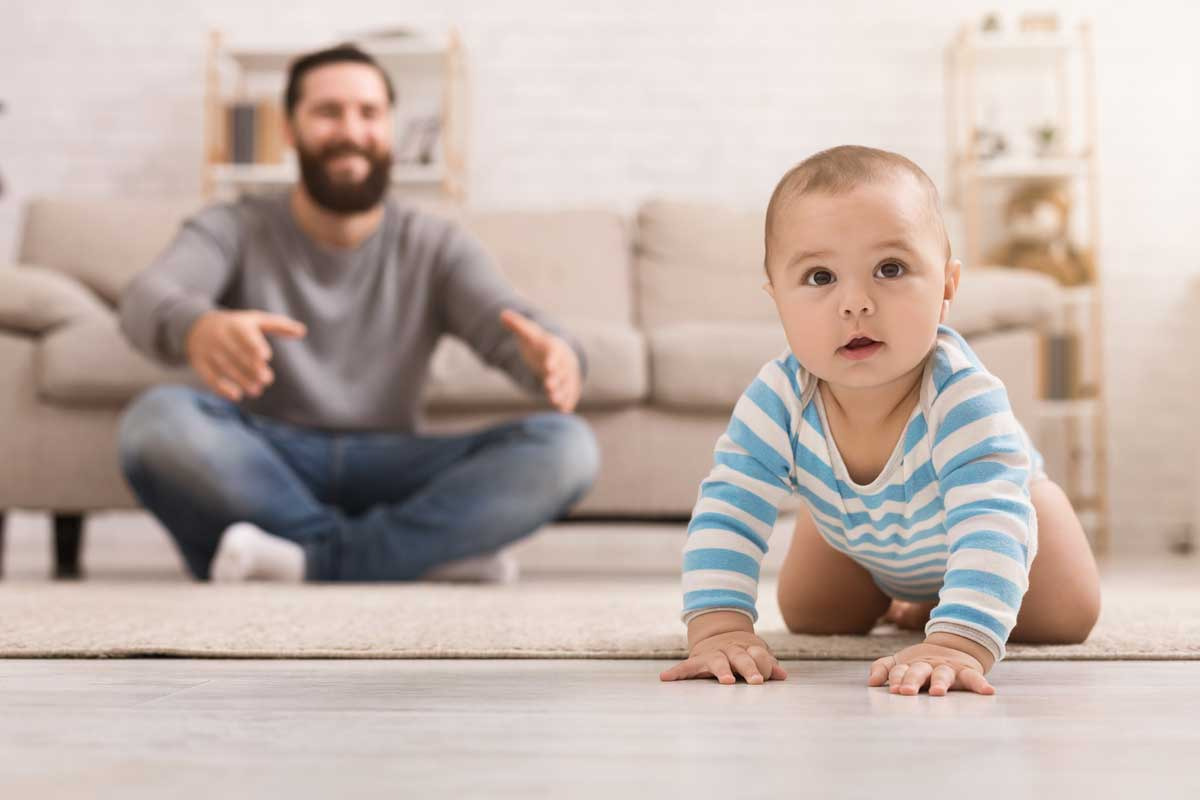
x,y
374,313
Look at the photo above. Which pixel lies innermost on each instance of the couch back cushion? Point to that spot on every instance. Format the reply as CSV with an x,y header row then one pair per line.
x,y
102,242
700,262
573,264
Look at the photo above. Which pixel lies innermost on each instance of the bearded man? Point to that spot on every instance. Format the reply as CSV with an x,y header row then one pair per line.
x,y
310,315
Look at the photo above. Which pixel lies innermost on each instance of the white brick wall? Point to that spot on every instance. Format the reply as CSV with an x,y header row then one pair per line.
x,y
609,103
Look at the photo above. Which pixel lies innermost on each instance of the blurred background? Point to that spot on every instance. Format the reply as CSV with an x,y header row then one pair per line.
x,y
544,105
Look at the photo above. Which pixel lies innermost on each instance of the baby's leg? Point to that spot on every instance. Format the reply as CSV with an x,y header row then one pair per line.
x,y
823,591
1063,599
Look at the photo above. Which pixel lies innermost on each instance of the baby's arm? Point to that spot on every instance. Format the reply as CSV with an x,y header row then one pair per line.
x,y
728,533
983,469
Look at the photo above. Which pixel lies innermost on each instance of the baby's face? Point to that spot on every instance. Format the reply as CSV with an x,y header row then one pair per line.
x,y
859,280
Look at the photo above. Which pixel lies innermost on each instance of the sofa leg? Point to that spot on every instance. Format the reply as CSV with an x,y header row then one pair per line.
x,y
68,541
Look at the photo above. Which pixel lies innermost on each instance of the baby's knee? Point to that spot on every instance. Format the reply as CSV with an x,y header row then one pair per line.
x,y
1081,619
816,621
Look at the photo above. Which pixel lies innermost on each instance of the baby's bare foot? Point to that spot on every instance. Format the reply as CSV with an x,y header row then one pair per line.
x,y
908,616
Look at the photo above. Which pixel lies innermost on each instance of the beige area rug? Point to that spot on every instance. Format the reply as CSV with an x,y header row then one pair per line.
x,y
584,618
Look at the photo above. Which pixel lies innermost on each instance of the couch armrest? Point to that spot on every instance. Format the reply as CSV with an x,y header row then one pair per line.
x,y
34,300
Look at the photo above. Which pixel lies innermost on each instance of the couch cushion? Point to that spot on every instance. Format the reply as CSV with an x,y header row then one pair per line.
x,y
34,299
616,373
707,365
573,264
698,261
89,362
101,242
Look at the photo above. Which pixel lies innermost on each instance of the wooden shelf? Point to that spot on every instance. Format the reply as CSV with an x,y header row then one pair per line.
x,y
1062,63
1026,168
389,53
1023,43
270,174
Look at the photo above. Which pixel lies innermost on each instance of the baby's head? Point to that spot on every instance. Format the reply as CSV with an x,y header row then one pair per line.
x,y
859,265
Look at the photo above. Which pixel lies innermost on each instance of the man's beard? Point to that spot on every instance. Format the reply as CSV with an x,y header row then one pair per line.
x,y
343,197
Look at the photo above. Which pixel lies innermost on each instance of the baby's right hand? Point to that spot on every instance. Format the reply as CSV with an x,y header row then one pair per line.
x,y
720,655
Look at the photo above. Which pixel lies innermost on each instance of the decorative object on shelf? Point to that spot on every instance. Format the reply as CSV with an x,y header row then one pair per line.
x,y
1046,141
1039,22
991,23
989,144
1037,217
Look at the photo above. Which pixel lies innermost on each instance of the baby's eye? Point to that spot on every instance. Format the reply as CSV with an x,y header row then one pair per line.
x,y
890,269
819,277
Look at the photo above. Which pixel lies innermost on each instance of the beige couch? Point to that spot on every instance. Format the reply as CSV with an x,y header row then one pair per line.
x,y
668,305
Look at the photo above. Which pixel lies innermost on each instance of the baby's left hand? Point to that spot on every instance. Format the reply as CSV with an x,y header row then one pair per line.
x,y
942,668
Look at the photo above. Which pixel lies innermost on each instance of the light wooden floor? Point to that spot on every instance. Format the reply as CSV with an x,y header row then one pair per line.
x,y
500,729
566,729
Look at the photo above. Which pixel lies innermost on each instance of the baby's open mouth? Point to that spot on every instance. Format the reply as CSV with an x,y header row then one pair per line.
x,y
859,348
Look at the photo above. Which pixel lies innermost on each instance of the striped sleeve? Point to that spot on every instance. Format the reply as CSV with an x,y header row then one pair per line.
x,y
739,500
983,469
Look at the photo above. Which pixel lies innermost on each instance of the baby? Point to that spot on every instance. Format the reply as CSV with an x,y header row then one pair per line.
x,y
923,498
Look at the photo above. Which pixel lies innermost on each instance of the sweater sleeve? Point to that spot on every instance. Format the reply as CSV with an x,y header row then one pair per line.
x,y
472,295
739,501
983,470
158,306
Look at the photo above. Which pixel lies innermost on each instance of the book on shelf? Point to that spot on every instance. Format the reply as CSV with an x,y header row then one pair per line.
x,y
253,132
1060,360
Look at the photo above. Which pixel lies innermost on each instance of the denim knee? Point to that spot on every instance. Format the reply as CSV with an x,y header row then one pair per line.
x,y
155,425
572,454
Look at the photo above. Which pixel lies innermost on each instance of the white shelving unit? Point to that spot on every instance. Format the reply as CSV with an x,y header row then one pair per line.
x,y
1058,70
430,81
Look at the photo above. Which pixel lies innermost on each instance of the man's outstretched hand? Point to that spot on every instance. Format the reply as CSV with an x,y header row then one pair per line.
x,y
550,358
229,350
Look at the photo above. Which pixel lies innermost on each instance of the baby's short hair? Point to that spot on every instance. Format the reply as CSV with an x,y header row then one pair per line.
x,y
841,169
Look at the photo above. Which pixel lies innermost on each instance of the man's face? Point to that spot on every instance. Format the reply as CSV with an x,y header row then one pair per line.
x,y
342,131
859,280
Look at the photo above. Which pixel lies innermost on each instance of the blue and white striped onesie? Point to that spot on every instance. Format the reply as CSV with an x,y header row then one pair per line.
x,y
948,519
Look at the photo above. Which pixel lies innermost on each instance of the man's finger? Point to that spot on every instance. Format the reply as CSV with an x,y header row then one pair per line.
x,y
245,353
251,339
218,384
227,367
280,325
523,326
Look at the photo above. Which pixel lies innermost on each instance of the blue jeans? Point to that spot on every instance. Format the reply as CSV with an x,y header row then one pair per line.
x,y
364,506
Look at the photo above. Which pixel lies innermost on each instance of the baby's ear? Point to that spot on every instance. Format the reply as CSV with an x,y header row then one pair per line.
x,y
769,289
953,272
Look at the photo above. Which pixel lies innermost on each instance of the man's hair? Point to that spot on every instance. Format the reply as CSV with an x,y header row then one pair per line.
x,y
333,55
841,169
